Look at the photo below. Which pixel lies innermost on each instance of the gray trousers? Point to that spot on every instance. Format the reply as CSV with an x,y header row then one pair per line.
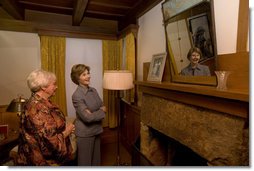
x,y
89,151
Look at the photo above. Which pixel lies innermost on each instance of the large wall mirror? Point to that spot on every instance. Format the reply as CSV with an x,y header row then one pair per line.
x,y
189,24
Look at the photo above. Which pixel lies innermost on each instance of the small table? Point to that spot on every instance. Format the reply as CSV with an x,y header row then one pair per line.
x,y
7,144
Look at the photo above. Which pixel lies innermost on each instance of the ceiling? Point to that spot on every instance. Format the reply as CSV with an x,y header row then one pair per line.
x,y
105,16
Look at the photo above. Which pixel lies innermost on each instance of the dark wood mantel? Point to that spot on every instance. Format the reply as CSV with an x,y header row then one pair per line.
x,y
233,102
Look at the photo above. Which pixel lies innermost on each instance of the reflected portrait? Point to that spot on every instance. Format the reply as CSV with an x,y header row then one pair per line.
x,y
200,34
188,25
195,68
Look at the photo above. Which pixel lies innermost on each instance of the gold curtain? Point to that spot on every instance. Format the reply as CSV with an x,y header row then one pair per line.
x,y
111,61
53,59
130,63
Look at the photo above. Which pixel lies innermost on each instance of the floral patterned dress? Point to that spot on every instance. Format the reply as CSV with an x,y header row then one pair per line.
x,y
41,138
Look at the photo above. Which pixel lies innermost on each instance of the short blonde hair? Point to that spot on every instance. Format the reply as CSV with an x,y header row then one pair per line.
x,y
39,78
77,70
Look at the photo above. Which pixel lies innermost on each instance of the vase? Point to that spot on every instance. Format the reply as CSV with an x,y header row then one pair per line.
x,y
222,77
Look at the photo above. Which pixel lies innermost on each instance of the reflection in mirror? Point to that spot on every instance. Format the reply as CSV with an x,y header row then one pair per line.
x,y
194,68
189,24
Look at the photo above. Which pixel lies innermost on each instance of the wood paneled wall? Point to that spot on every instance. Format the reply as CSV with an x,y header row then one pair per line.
x,y
130,124
238,64
9,118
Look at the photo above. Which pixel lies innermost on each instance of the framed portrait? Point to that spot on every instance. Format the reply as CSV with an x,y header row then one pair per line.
x,y
171,8
200,35
157,67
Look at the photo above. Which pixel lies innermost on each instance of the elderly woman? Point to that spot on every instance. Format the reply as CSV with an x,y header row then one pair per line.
x,y
90,113
44,134
194,68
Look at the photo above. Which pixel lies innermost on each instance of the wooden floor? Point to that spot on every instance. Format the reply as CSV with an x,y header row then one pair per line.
x,y
109,149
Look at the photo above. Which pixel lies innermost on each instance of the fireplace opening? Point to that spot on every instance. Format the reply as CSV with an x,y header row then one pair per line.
x,y
162,150
181,155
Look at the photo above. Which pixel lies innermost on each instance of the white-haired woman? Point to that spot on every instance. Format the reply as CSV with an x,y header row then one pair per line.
x,y
44,134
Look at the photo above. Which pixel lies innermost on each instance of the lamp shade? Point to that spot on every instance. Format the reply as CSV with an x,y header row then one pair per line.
x,y
117,80
16,105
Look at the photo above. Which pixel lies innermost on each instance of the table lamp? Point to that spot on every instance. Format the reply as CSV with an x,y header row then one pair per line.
x,y
17,105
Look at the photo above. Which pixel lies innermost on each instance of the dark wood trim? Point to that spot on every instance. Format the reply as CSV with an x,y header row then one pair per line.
x,y
229,106
130,124
57,30
16,25
238,64
141,8
132,28
214,33
117,4
79,11
79,14
65,30
232,94
76,34
12,8
61,5
243,26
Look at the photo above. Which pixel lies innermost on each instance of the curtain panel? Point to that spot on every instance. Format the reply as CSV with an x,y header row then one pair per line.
x,y
53,59
111,61
117,56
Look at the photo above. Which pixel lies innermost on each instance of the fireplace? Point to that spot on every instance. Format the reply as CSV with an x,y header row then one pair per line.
x,y
212,135
162,150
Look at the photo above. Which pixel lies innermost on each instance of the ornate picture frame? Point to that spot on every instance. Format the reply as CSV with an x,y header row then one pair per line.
x,y
157,67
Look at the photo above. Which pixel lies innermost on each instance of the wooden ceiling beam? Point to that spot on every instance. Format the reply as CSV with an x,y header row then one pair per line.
x,y
108,3
11,7
112,3
102,16
44,5
105,13
79,11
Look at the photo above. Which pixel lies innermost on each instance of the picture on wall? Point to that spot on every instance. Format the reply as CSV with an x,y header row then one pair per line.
x,y
157,67
200,34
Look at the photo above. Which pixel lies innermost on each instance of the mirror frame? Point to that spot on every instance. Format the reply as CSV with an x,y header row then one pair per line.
x,y
202,80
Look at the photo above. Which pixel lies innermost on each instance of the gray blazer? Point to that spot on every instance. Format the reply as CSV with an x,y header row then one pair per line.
x,y
87,124
200,70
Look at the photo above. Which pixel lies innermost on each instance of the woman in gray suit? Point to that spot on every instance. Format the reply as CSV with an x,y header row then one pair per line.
x,y
194,68
89,114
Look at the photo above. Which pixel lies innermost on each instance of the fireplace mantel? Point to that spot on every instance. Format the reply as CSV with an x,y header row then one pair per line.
x,y
233,102
212,123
